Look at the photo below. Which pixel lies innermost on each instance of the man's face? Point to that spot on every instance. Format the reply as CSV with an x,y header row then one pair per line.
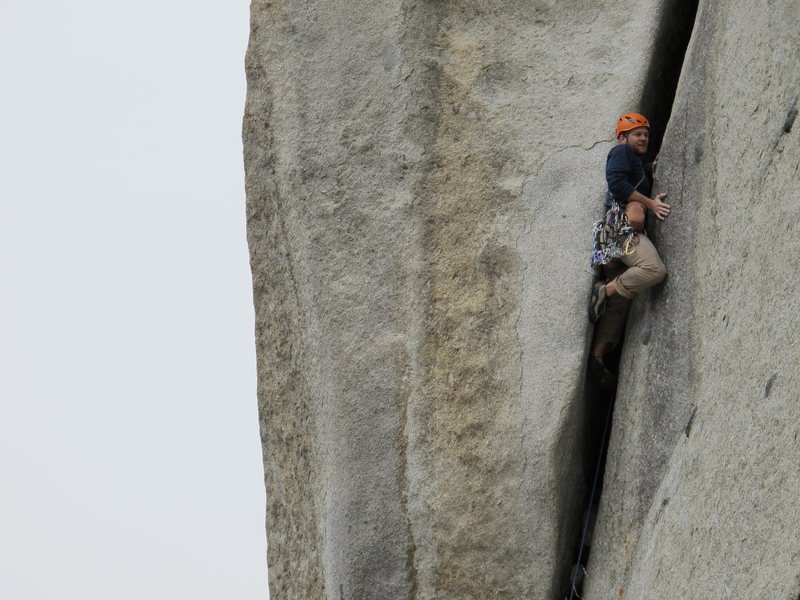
x,y
637,139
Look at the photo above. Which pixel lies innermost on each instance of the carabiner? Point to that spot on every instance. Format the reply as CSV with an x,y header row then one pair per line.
x,y
629,246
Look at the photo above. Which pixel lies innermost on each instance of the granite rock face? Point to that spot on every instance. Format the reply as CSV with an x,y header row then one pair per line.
x,y
421,180
700,497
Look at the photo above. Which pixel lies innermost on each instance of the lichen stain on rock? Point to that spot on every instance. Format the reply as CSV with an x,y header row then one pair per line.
x,y
475,277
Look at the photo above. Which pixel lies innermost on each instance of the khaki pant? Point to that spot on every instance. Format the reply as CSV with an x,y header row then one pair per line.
x,y
637,272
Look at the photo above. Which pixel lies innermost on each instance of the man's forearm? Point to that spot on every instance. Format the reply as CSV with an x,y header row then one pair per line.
x,y
656,205
639,197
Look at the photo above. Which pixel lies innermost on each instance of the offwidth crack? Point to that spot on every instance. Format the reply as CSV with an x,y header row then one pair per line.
x,y
676,23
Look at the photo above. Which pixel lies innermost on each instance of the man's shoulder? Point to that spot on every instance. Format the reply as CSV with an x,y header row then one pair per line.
x,y
621,150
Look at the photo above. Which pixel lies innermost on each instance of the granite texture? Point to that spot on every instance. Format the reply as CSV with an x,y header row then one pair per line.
x,y
421,178
700,497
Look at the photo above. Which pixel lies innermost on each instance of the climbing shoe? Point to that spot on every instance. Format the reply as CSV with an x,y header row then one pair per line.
x,y
601,375
597,301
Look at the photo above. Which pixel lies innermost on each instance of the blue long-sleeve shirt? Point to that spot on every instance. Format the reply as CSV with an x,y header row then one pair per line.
x,y
625,173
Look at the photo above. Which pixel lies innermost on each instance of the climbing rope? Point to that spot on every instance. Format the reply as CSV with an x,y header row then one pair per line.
x,y
573,594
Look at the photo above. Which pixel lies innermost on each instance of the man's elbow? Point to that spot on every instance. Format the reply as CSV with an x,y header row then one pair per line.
x,y
621,193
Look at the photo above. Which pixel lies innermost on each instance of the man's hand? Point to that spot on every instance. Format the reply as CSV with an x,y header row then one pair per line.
x,y
660,208
657,205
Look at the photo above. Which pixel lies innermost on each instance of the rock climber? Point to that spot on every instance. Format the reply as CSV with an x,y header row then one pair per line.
x,y
629,262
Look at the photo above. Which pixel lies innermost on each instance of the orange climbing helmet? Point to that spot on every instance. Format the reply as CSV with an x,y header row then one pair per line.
x,y
631,121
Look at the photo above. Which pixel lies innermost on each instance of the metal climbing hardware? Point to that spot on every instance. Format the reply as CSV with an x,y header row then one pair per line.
x,y
629,247
613,236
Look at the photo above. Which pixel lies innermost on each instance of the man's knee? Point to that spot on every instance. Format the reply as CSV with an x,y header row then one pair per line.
x,y
657,272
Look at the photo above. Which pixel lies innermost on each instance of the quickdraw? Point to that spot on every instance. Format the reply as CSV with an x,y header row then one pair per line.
x,y
613,236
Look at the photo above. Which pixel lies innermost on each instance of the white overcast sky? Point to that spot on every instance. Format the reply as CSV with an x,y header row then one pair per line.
x,y
130,464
